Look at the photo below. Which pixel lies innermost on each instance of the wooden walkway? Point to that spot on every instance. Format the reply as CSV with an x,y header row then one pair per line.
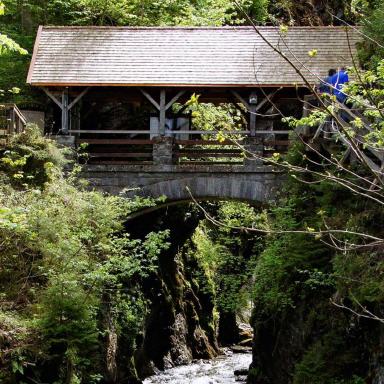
x,y
333,131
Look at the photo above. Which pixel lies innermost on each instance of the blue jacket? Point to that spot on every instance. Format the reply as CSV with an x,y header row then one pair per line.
x,y
337,81
325,85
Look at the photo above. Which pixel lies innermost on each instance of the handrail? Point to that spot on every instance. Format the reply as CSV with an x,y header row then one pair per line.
x,y
331,127
15,121
19,114
171,132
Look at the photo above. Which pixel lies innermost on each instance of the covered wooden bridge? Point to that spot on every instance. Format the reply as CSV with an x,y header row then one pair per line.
x,y
115,88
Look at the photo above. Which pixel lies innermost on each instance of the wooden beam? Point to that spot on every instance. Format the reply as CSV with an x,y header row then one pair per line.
x,y
34,54
52,97
263,132
162,113
119,154
207,154
241,99
293,86
115,141
241,110
174,99
108,131
192,142
114,131
267,98
77,99
150,98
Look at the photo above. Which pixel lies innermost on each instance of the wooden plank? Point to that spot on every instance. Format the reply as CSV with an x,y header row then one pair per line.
x,y
115,141
122,162
277,142
179,142
111,154
207,150
213,162
204,142
110,131
263,132
274,151
217,155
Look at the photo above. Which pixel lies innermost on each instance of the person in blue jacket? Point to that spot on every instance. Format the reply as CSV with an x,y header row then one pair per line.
x,y
337,81
325,84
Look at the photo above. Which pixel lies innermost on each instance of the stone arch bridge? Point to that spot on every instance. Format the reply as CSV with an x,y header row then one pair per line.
x,y
230,182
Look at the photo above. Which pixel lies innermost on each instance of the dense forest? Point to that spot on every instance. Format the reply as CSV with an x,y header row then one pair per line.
x,y
89,297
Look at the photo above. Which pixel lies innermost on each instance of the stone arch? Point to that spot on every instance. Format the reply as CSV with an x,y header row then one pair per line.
x,y
210,187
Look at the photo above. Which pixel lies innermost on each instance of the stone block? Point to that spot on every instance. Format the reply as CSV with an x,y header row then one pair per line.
x,y
65,140
162,150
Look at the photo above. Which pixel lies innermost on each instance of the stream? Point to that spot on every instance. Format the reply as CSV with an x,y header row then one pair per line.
x,y
217,371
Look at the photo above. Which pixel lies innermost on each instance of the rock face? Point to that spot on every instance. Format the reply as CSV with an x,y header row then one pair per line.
x,y
179,325
174,333
315,341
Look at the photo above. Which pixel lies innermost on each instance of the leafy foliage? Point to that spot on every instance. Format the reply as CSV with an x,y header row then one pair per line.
x,y
62,252
227,256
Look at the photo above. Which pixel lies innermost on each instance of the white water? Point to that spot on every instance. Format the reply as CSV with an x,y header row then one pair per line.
x,y
217,371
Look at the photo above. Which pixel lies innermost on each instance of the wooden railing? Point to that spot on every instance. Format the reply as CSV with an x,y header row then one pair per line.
x,y
12,122
201,146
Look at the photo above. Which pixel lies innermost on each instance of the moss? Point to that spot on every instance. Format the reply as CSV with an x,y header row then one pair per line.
x,y
331,359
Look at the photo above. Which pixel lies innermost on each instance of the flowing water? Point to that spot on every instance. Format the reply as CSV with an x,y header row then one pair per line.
x,y
217,371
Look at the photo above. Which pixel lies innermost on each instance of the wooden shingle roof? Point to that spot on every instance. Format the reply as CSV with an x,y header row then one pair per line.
x,y
183,56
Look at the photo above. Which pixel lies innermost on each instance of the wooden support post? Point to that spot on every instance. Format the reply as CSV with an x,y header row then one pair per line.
x,y
252,120
162,113
64,112
12,117
253,107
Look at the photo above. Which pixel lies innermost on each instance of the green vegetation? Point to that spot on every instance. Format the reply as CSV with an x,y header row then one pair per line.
x,y
72,280
63,253
227,255
300,280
